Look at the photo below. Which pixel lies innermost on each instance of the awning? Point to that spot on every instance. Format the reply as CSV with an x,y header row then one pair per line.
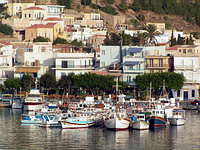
x,y
27,70
134,50
131,63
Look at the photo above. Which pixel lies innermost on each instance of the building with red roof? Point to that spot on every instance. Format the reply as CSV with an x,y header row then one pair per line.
x,y
49,30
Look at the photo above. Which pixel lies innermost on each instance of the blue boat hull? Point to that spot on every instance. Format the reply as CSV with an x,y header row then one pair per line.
x,y
157,122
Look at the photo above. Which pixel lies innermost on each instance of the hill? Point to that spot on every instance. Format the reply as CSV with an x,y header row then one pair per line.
x,y
157,12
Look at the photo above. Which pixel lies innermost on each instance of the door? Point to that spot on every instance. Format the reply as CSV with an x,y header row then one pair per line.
x,y
185,95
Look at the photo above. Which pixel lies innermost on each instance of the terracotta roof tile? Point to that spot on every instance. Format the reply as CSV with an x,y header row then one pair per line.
x,y
173,47
53,19
48,25
34,8
4,43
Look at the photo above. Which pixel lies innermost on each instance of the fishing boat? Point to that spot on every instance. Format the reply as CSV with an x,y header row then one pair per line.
x,y
117,121
178,117
139,122
51,121
6,100
17,102
31,119
157,118
34,101
75,121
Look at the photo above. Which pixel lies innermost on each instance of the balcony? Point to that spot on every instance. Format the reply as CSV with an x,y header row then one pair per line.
x,y
73,67
184,67
157,66
133,70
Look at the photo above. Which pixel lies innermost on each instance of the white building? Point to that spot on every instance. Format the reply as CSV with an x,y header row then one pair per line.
x,y
77,63
6,61
186,61
35,59
133,59
53,10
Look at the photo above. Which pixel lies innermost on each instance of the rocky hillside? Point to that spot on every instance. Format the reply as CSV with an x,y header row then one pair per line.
x,y
172,21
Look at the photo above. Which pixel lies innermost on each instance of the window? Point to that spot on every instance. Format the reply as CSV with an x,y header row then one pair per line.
x,y
151,62
64,64
179,50
63,74
103,64
193,93
128,79
25,15
43,49
178,93
190,50
103,52
29,15
184,51
160,62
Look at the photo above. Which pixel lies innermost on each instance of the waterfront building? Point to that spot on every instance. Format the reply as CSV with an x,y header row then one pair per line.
x,y
133,59
186,61
6,61
33,58
70,59
158,63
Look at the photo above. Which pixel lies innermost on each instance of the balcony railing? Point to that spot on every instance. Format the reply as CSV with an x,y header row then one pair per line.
x,y
156,66
73,67
184,67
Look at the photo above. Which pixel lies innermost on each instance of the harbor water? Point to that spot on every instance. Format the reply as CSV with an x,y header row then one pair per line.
x,y
16,136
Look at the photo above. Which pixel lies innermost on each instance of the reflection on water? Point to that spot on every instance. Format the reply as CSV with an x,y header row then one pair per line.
x,y
17,136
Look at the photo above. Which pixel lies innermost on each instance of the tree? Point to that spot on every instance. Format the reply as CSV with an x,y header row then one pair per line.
x,y
41,39
91,82
173,40
27,82
59,40
12,84
173,81
6,29
85,2
76,43
109,10
122,7
142,38
112,39
152,32
181,40
135,22
66,3
66,82
48,81
189,41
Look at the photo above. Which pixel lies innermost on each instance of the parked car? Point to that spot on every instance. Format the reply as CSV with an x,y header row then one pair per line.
x,y
195,102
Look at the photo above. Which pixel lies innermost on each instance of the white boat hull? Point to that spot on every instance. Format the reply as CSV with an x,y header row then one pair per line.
x,y
32,106
75,125
117,123
177,121
140,125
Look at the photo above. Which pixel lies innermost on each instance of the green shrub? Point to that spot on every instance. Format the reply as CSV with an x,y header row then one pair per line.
x,y
109,10
6,29
122,7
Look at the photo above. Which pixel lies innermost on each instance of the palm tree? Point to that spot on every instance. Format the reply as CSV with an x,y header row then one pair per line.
x,y
142,37
152,32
